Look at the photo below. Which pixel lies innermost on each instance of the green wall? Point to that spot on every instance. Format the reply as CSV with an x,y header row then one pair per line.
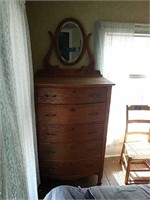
x,y
45,15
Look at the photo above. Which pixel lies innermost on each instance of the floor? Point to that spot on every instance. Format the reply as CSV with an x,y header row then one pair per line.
x,y
112,175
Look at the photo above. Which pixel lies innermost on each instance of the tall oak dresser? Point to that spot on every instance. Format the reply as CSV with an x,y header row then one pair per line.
x,y
72,118
72,110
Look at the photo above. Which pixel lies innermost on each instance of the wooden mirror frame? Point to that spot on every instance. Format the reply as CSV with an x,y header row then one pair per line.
x,y
56,70
60,25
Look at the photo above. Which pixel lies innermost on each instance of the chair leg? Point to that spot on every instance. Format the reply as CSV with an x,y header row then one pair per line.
x,y
121,156
128,170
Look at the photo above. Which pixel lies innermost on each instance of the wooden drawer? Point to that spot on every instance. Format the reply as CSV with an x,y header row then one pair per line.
x,y
69,151
52,168
71,96
69,114
71,132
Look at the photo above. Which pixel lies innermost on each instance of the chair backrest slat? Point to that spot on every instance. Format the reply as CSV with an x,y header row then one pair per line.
x,y
138,107
139,121
140,117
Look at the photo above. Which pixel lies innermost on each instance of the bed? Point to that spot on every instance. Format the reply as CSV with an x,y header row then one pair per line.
x,y
126,192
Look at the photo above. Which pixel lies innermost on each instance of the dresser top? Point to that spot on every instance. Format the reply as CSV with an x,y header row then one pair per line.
x,y
73,81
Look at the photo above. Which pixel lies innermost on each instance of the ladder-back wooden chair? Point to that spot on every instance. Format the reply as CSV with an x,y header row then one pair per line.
x,y
135,155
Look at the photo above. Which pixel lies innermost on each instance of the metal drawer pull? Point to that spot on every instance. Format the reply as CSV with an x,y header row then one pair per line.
x,y
91,149
50,151
92,95
50,115
94,113
47,95
91,132
51,168
50,133
90,165
72,109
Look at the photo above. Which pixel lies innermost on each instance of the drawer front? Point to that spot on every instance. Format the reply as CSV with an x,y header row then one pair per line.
x,y
69,151
71,133
71,96
53,168
69,114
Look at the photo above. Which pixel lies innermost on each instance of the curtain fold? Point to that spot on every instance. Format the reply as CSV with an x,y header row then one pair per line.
x,y
112,51
108,34
18,151
122,57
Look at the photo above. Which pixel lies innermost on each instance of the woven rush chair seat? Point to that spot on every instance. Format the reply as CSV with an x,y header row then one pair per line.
x,y
138,150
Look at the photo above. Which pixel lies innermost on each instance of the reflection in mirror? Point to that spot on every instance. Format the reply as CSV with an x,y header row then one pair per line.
x,y
69,42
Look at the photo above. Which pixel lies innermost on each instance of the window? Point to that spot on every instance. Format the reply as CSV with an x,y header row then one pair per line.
x,y
123,54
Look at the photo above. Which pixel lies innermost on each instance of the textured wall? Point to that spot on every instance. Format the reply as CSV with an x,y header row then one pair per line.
x,y
45,15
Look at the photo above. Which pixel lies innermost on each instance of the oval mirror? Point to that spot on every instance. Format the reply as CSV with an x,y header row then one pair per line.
x,y
69,41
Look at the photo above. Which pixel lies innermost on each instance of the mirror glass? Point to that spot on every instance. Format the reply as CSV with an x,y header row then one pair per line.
x,y
69,42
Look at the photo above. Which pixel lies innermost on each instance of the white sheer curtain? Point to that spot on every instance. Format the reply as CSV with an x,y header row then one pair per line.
x,y
119,55
18,164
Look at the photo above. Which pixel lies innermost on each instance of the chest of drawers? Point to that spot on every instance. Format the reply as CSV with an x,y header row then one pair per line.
x,y
72,116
